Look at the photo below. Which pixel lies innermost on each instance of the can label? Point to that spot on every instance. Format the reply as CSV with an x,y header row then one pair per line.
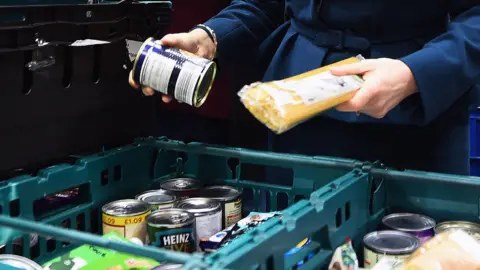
x,y
182,239
207,226
156,207
371,258
172,71
128,227
233,212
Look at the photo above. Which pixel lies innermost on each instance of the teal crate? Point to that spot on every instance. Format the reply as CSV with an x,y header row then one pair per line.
x,y
124,172
350,207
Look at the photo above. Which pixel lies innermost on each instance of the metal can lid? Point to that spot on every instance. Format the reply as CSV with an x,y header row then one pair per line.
x,y
156,197
125,208
199,206
407,222
170,218
19,262
391,242
220,193
204,85
181,184
469,227
168,266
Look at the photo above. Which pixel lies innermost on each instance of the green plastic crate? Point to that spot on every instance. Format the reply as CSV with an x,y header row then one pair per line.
x,y
124,172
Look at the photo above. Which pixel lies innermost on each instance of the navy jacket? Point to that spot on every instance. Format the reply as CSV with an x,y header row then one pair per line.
x,y
438,39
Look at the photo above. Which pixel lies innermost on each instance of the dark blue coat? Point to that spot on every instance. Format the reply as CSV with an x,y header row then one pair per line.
x,y
438,39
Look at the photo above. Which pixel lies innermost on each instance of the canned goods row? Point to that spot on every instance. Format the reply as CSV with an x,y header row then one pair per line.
x,y
406,232
176,216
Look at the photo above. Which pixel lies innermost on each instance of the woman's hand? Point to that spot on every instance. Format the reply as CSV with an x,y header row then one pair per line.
x,y
387,83
197,42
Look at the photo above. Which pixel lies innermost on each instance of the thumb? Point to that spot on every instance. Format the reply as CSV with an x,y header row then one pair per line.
x,y
180,41
359,101
353,69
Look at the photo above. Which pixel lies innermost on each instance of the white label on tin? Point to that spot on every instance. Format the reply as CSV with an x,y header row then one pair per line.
x,y
321,86
186,82
208,225
133,47
371,258
156,71
88,42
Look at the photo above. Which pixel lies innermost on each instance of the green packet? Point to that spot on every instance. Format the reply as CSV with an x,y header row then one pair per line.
x,y
84,257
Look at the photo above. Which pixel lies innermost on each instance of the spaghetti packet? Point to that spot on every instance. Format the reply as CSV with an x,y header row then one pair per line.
x,y
283,104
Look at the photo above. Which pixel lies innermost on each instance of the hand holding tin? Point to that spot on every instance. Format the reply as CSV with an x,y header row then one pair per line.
x,y
177,67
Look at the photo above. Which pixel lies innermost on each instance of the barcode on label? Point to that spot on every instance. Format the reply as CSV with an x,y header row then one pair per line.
x,y
186,82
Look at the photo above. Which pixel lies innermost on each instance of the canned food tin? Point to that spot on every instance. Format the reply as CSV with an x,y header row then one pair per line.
x,y
172,229
418,225
208,216
388,244
127,218
158,199
472,229
177,73
231,200
182,188
19,262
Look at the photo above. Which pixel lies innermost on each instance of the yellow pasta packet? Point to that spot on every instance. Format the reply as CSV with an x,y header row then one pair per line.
x,y
283,104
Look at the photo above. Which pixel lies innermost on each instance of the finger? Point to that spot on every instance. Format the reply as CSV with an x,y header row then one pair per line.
x,y
353,69
166,99
132,82
178,41
359,101
147,91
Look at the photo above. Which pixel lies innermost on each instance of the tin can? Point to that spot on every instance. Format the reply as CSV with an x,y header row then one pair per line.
x,y
168,266
158,199
231,200
182,188
472,229
208,216
127,218
172,229
174,72
19,262
388,244
418,225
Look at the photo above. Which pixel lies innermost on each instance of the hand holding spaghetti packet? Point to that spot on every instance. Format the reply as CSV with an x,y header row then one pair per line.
x,y
281,105
178,66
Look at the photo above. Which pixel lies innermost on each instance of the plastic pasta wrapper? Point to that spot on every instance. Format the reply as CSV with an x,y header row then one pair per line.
x,y
283,104
450,250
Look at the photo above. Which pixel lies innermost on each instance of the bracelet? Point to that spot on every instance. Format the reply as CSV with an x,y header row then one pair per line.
x,y
210,34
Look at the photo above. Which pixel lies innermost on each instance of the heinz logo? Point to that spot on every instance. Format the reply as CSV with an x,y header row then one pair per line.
x,y
176,239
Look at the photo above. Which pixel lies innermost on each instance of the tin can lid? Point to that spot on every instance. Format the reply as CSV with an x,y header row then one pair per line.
x,y
170,218
469,227
407,222
168,266
391,242
181,184
155,197
199,206
220,193
19,262
125,208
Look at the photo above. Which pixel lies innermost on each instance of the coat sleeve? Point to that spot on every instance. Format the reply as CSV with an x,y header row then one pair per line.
x,y
245,24
449,65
